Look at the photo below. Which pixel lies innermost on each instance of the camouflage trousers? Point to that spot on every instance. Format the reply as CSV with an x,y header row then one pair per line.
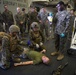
x,y
5,62
44,29
60,43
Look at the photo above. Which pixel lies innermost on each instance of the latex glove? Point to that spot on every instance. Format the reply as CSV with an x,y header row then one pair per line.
x,y
41,43
43,51
62,35
21,42
37,45
4,27
29,43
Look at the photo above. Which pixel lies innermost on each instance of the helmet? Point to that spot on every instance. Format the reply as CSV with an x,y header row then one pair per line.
x,y
34,25
14,28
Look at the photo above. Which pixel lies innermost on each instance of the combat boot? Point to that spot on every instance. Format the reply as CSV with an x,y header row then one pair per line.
x,y
60,56
16,60
54,53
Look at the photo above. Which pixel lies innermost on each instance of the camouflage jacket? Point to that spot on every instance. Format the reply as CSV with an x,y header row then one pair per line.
x,y
62,21
11,43
8,17
1,18
9,46
32,16
1,22
19,17
36,37
43,16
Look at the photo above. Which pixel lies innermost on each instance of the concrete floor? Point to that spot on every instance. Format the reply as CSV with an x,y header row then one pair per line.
x,y
42,69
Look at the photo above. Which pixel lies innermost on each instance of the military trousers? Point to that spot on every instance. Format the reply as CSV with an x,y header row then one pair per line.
x,y
44,28
60,42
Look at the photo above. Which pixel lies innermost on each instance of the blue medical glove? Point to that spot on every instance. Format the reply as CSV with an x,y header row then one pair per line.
x,y
62,35
28,42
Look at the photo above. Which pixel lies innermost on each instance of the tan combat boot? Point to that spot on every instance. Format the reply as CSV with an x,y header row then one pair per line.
x,y
60,56
54,53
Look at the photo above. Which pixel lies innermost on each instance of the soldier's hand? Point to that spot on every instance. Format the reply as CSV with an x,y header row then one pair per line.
x,y
37,45
62,35
4,26
41,43
40,21
21,42
43,51
21,22
47,21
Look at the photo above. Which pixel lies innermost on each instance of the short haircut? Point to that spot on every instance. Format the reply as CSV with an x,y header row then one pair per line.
x,y
5,5
23,9
61,3
73,10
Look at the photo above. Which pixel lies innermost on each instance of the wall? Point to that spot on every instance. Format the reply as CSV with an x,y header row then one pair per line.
x,y
12,5
30,1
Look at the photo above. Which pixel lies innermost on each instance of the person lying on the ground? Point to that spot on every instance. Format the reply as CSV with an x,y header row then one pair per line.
x,y
36,58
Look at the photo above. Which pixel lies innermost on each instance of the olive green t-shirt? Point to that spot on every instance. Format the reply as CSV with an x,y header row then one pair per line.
x,y
35,56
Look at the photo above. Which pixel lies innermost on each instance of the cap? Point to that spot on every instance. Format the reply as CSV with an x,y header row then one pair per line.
x,y
60,3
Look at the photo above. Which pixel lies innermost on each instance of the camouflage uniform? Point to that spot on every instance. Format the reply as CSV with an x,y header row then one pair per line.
x,y
26,19
36,37
62,21
1,23
42,16
10,48
71,29
19,17
32,18
8,19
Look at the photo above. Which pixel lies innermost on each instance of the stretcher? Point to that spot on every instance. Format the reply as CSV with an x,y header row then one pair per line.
x,y
72,49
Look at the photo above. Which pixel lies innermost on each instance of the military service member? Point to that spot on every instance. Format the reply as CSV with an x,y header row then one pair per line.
x,y
32,16
42,16
36,58
72,12
61,20
26,18
10,47
20,20
8,18
1,22
71,27
37,38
